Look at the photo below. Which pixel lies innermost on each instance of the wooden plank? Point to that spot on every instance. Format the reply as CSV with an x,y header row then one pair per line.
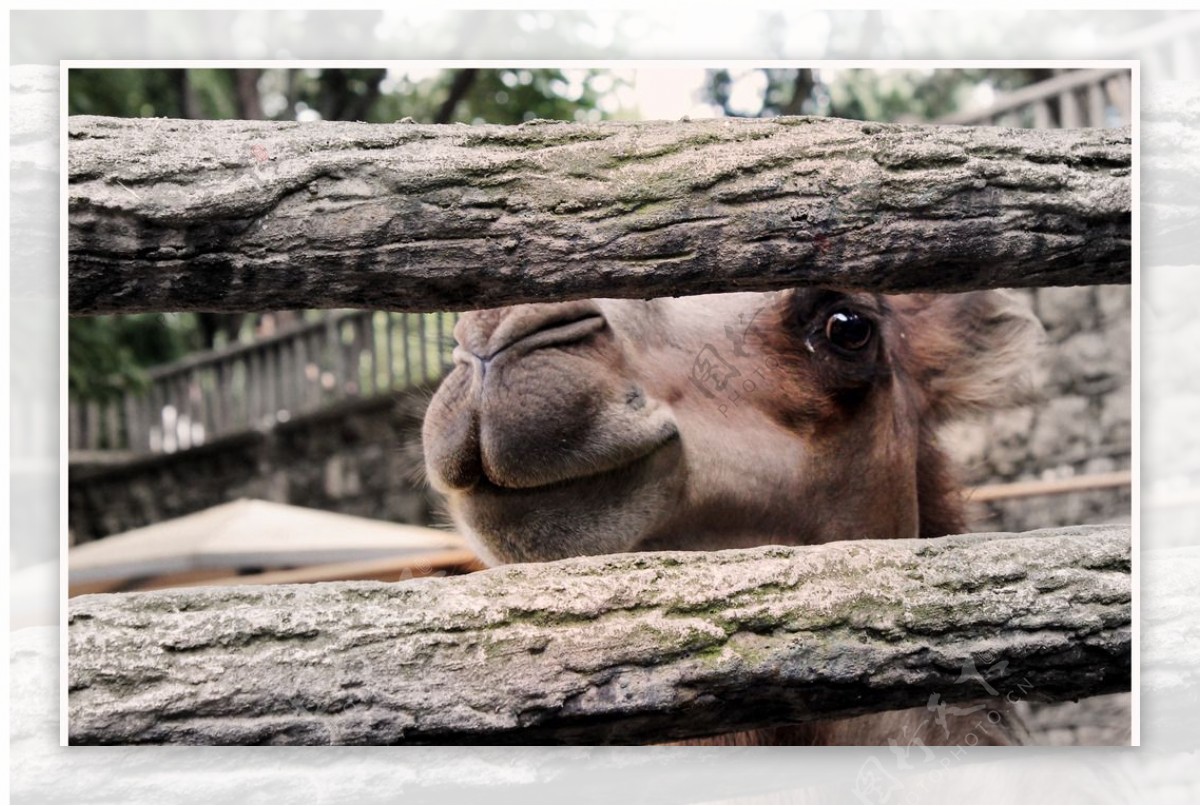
x,y
114,438
720,205
1042,118
423,341
312,385
181,399
1070,111
367,361
440,341
145,419
406,334
1097,104
75,437
220,398
270,378
154,405
584,651
254,391
199,405
1027,489
390,341
337,360
134,432
386,569
91,428
290,368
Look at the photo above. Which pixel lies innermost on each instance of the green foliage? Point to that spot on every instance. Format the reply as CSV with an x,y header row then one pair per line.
x,y
125,93
108,355
375,94
494,96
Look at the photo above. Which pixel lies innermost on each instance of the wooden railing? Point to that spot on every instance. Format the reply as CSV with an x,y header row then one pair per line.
x,y
270,380
1099,98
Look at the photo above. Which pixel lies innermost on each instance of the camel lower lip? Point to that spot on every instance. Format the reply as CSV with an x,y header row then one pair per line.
x,y
599,513
487,485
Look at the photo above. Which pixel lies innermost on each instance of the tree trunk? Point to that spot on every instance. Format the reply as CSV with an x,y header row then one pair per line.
x,y
169,215
245,90
459,87
622,648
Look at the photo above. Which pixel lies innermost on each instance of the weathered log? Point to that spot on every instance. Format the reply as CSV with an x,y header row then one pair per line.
x,y
621,648
172,215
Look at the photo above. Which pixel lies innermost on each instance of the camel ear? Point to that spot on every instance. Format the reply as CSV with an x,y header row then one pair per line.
x,y
968,353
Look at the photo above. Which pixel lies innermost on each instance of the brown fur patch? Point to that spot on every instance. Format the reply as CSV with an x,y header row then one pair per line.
x,y
968,353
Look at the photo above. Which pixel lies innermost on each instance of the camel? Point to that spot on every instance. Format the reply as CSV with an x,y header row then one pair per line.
x,y
724,421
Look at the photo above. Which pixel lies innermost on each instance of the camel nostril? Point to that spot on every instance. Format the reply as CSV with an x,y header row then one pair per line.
x,y
548,332
487,333
635,398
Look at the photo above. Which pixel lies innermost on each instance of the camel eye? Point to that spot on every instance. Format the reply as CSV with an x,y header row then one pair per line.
x,y
848,330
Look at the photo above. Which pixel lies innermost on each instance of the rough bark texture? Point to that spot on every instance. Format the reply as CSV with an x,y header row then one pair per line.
x,y
622,648
170,215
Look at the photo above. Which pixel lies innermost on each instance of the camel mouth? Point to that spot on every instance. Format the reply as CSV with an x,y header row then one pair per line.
x,y
597,513
631,461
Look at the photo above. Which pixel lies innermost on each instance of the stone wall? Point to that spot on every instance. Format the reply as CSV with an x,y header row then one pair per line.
x,y
360,458
1081,425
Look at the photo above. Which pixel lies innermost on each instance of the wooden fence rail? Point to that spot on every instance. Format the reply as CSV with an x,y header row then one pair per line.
x,y
254,385
622,648
251,215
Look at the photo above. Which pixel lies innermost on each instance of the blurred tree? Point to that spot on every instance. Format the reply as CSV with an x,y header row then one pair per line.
x,y
108,355
127,93
506,96
464,95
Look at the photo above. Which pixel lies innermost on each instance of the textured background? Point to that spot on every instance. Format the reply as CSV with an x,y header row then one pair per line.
x,y
1081,425
1163,771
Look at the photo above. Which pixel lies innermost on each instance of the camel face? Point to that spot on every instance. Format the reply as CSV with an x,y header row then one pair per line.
x,y
717,421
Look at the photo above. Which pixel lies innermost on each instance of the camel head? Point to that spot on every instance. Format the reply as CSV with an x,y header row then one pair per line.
x,y
717,421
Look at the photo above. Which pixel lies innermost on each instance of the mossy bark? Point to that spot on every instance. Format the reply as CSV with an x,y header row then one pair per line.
x,y
623,648
172,215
